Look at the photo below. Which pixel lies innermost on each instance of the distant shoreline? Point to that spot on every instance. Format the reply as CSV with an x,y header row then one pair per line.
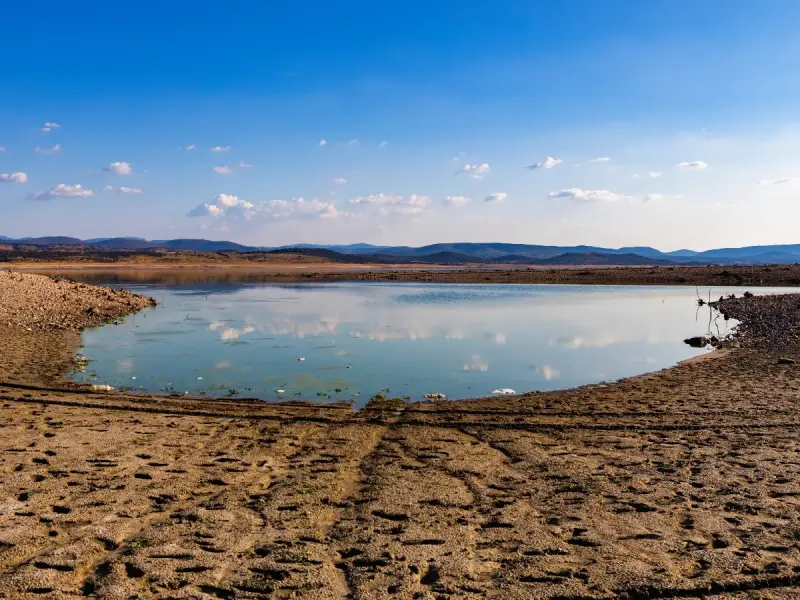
x,y
748,276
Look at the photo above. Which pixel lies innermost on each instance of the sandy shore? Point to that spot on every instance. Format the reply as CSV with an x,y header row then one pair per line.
x,y
680,483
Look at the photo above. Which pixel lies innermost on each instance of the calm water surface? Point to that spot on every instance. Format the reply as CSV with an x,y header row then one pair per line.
x,y
350,341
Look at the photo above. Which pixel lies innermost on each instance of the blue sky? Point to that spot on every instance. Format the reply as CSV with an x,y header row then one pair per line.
x,y
430,112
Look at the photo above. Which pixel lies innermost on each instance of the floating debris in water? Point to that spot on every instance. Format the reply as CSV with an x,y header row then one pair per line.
x,y
280,391
435,397
81,362
301,359
98,387
199,378
504,392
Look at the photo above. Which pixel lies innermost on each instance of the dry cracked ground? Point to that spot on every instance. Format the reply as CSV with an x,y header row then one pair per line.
x,y
678,484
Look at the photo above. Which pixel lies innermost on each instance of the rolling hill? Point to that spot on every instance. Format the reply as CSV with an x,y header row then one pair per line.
x,y
446,253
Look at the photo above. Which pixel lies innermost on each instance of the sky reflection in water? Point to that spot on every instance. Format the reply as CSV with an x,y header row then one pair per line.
x,y
359,339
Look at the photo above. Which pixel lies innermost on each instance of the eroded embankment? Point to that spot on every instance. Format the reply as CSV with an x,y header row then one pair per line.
x,y
681,483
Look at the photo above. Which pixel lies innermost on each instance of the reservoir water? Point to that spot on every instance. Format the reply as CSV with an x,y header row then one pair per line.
x,y
352,341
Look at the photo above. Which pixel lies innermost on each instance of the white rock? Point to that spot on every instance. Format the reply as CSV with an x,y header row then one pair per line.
x,y
504,392
99,387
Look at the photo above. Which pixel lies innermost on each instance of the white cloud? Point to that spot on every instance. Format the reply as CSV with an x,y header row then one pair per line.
x,y
223,205
654,175
476,364
50,126
14,177
129,190
386,336
599,340
695,164
606,196
547,372
601,159
62,190
223,170
409,210
244,165
387,199
191,147
51,150
229,333
383,144
119,168
496,197
778,181
3,149
340,181
108,188
476,171
455,334
496,338
547,163
226,205
323,142
456,200
300,208
659,197
580,195
220,148
353,143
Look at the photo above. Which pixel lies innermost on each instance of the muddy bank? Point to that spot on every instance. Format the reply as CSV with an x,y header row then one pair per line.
x,y
680,483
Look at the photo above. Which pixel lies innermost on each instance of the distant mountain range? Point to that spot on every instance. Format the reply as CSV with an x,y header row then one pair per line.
x,y
495,253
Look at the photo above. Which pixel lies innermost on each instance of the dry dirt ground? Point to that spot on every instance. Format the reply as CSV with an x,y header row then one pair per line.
x,y
680,483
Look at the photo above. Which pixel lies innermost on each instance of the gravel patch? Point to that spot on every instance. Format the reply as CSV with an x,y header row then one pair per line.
x,y
42,303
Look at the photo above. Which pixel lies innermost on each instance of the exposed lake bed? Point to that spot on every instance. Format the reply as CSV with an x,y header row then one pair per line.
x,y
675,483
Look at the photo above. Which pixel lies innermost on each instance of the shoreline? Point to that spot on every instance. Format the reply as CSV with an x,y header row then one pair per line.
x,y
680,482
717,276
